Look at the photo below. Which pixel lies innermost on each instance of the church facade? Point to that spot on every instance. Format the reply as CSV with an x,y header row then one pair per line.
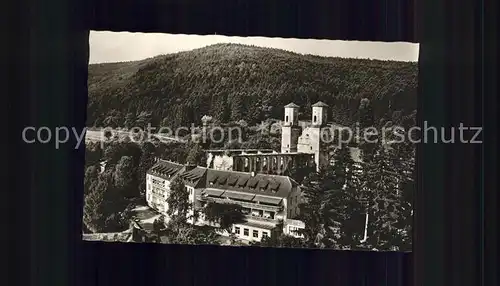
x,y
304,147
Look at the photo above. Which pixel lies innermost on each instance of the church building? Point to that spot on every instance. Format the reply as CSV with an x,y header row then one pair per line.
x,y
299,147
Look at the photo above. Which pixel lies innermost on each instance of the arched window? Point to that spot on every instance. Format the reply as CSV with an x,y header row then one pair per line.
x,y
315,118
286,118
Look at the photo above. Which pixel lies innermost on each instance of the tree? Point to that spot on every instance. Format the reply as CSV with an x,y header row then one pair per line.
x,y
93,217
93,153
344,213
177,231
146,162
299,172
279,239
312,208
100,203
159,226
113,118
178,200
366,119
143,119
224,215
383,201
196,155
233,144
236,107
125,177
108,134
91,177
130,120
264,86
114,151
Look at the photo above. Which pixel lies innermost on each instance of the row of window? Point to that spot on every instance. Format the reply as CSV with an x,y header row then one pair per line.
x,y
158,191
243,187
246,232
158,181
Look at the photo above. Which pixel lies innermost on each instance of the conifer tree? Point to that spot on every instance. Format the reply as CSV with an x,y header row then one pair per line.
x,y
145,163
366,120
178,200
343,215
383,203
312,207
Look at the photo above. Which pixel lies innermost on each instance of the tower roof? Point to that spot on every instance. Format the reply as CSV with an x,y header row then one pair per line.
x,y
320,104
291,105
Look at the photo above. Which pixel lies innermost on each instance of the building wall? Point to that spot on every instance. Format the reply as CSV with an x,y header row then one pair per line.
x,y
222,162
289,138
291,227
157,190
250,233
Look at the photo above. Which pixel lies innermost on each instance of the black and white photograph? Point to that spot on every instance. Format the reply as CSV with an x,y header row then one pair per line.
x,y
250,141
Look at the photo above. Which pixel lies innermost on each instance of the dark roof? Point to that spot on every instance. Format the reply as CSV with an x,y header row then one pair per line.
x,y
260,184
291,105
201,177
258,225
165,169
195,177
320,104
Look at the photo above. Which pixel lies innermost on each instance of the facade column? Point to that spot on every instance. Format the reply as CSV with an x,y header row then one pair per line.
x,y
251,164
280,158
237,166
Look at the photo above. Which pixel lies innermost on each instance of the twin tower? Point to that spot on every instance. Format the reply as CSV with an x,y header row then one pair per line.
x,y
310,140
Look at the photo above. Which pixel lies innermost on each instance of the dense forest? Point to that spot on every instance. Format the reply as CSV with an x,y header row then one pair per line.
x,y
231,82
245,85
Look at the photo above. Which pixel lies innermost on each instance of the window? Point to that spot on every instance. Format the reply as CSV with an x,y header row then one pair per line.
x,y
255,233
315,118
245,231
265,234
237,229
286,118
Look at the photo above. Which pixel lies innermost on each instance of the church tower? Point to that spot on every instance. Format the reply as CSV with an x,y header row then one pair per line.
x,y
290,130
319,134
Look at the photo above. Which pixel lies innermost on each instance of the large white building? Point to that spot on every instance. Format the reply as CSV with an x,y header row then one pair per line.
x,y
266,199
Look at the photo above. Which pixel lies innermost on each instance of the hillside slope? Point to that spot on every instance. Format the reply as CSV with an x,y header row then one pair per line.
x,y
232,82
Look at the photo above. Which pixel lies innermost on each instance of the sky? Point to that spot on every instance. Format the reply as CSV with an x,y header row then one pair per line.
x,y
126,46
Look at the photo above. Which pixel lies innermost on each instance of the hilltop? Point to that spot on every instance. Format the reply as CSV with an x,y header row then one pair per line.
x,y
232,82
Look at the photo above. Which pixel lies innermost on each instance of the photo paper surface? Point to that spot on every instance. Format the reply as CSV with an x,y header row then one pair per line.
x,y
250,141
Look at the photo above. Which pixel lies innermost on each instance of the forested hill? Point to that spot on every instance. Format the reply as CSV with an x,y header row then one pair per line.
x,y
231,82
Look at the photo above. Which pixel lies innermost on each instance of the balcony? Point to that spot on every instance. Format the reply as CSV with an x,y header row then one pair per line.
x,y
243,204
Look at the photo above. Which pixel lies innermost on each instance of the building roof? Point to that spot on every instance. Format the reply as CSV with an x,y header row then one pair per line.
x,y
241,182
165,169
320,104
274,154
237,150
194,177
291,105
232,181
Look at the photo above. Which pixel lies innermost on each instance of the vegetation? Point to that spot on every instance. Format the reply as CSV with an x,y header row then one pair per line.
x,y
178,200
279,239
231,82
224,215
228,85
